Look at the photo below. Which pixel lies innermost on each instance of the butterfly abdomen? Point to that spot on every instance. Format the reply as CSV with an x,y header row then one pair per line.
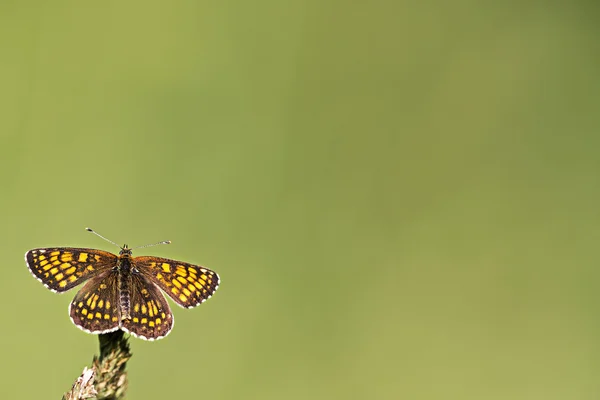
x,y
124,283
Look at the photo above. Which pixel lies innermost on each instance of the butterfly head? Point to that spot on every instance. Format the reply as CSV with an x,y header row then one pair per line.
x,y
125,251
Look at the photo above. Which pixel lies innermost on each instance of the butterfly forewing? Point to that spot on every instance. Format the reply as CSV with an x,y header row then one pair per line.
x,y
96,307
187,284
62,268
149,315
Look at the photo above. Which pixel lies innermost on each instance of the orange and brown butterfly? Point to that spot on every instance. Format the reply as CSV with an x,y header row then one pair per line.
x,y
121,291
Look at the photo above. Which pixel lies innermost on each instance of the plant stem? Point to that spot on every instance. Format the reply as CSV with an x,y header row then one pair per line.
x,y
107,380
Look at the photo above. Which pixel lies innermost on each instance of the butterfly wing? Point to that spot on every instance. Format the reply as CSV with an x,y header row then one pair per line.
x,y
187,284
96,307
63,268
149,316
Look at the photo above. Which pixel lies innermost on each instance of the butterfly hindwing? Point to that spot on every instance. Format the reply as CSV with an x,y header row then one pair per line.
x,y
96,307
187,284
149,316
63,268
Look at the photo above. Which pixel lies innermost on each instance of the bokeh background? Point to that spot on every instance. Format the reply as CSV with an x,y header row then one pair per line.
x,y
401,198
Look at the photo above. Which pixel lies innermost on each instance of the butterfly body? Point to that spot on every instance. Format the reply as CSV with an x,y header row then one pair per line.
x,y
121,291
124,271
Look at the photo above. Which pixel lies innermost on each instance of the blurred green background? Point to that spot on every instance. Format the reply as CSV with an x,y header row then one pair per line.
x,y
401,198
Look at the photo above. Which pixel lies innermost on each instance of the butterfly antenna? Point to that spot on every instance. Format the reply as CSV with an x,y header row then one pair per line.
x,y
153,244
97,234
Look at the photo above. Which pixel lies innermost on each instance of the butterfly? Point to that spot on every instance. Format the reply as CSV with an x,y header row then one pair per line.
x,y
121,291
